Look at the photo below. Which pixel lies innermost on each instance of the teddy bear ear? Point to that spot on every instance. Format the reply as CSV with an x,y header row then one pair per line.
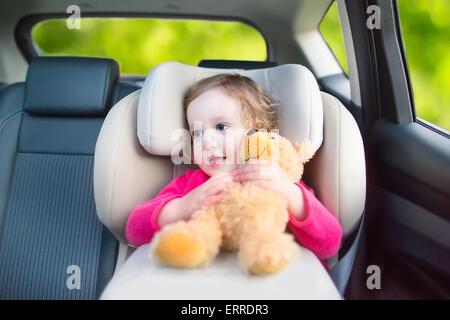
x,y
251,131
304,151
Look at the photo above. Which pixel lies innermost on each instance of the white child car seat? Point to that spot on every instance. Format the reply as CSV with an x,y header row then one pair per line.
x,y
132,157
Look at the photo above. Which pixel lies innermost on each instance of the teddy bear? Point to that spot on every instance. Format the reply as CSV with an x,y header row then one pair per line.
x,y
250,220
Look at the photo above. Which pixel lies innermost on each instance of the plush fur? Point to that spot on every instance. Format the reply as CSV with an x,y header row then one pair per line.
x,y
250,220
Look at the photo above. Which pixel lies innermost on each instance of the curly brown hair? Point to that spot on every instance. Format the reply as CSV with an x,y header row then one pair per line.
x,y
257,109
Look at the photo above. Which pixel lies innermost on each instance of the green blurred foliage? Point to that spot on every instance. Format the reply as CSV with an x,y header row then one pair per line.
x,y
140,44
331,30
426,34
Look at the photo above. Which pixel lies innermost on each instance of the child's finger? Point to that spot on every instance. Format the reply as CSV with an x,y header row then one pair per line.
x,y
263,171
262,183
213,200
219,187
251,175
222,184
258,170
250,167
221,180
220,176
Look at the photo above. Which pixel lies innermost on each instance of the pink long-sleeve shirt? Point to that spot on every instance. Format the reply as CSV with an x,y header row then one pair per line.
x,y
318,231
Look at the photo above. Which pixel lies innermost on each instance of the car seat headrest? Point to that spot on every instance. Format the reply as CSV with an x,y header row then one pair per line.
x,y
292,87
70,86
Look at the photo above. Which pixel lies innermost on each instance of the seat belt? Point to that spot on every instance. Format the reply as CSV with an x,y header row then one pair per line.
x,y
340,273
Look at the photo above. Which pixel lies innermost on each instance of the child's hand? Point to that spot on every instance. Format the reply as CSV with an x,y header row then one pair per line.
x,y
264,174
207,194
269,175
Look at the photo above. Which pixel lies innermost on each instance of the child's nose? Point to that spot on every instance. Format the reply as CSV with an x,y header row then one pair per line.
x,y
209,143
210,140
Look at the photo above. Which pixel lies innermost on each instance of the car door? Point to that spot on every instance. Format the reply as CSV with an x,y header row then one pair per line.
x,y
405,251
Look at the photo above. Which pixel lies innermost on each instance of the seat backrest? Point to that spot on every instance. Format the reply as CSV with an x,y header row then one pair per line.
x,y
132,160
49,229
2,85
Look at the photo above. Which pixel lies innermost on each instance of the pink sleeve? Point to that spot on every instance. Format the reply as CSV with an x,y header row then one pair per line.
x,y
319,231
142,221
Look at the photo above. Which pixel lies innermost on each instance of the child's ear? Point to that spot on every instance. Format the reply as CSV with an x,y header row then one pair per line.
x,y
304,151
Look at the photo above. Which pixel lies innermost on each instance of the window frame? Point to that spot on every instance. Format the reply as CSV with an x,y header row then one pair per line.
x,y
431,126
24,41
326,42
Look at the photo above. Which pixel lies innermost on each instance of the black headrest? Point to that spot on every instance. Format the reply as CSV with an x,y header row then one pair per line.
x,y
70,86
236,64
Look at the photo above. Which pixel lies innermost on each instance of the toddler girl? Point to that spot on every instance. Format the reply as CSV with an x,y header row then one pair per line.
x,y
219,111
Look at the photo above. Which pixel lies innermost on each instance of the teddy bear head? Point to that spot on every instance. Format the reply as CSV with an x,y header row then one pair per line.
x,y
291,157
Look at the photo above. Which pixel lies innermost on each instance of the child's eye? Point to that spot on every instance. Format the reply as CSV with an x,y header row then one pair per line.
x,y
222,126
197,133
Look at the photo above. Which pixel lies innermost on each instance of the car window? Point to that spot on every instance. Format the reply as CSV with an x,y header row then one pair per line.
x,y
138,44
425,29
331,30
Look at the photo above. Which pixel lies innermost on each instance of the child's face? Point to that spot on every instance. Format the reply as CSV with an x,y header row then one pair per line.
x,y
217,129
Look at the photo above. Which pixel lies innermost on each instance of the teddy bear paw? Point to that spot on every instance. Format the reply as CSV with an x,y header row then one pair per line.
x,y
267,267
180,250
266,255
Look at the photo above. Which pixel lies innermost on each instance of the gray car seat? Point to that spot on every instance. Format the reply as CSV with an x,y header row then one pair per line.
x,y
52,245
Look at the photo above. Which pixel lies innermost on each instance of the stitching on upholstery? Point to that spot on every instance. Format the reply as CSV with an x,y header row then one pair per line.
x,y
150,113
55,153
102,100
25,87
132,97
115,172
8,117
2,216
105,93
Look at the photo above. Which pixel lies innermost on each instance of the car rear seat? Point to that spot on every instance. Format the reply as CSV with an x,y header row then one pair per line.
x,y
48,222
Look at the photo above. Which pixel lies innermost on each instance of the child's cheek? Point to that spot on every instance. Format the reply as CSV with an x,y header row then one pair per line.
x,y
197,151
232,146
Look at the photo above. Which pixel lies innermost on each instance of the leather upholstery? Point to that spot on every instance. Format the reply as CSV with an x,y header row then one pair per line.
x,y
72,86
48,219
